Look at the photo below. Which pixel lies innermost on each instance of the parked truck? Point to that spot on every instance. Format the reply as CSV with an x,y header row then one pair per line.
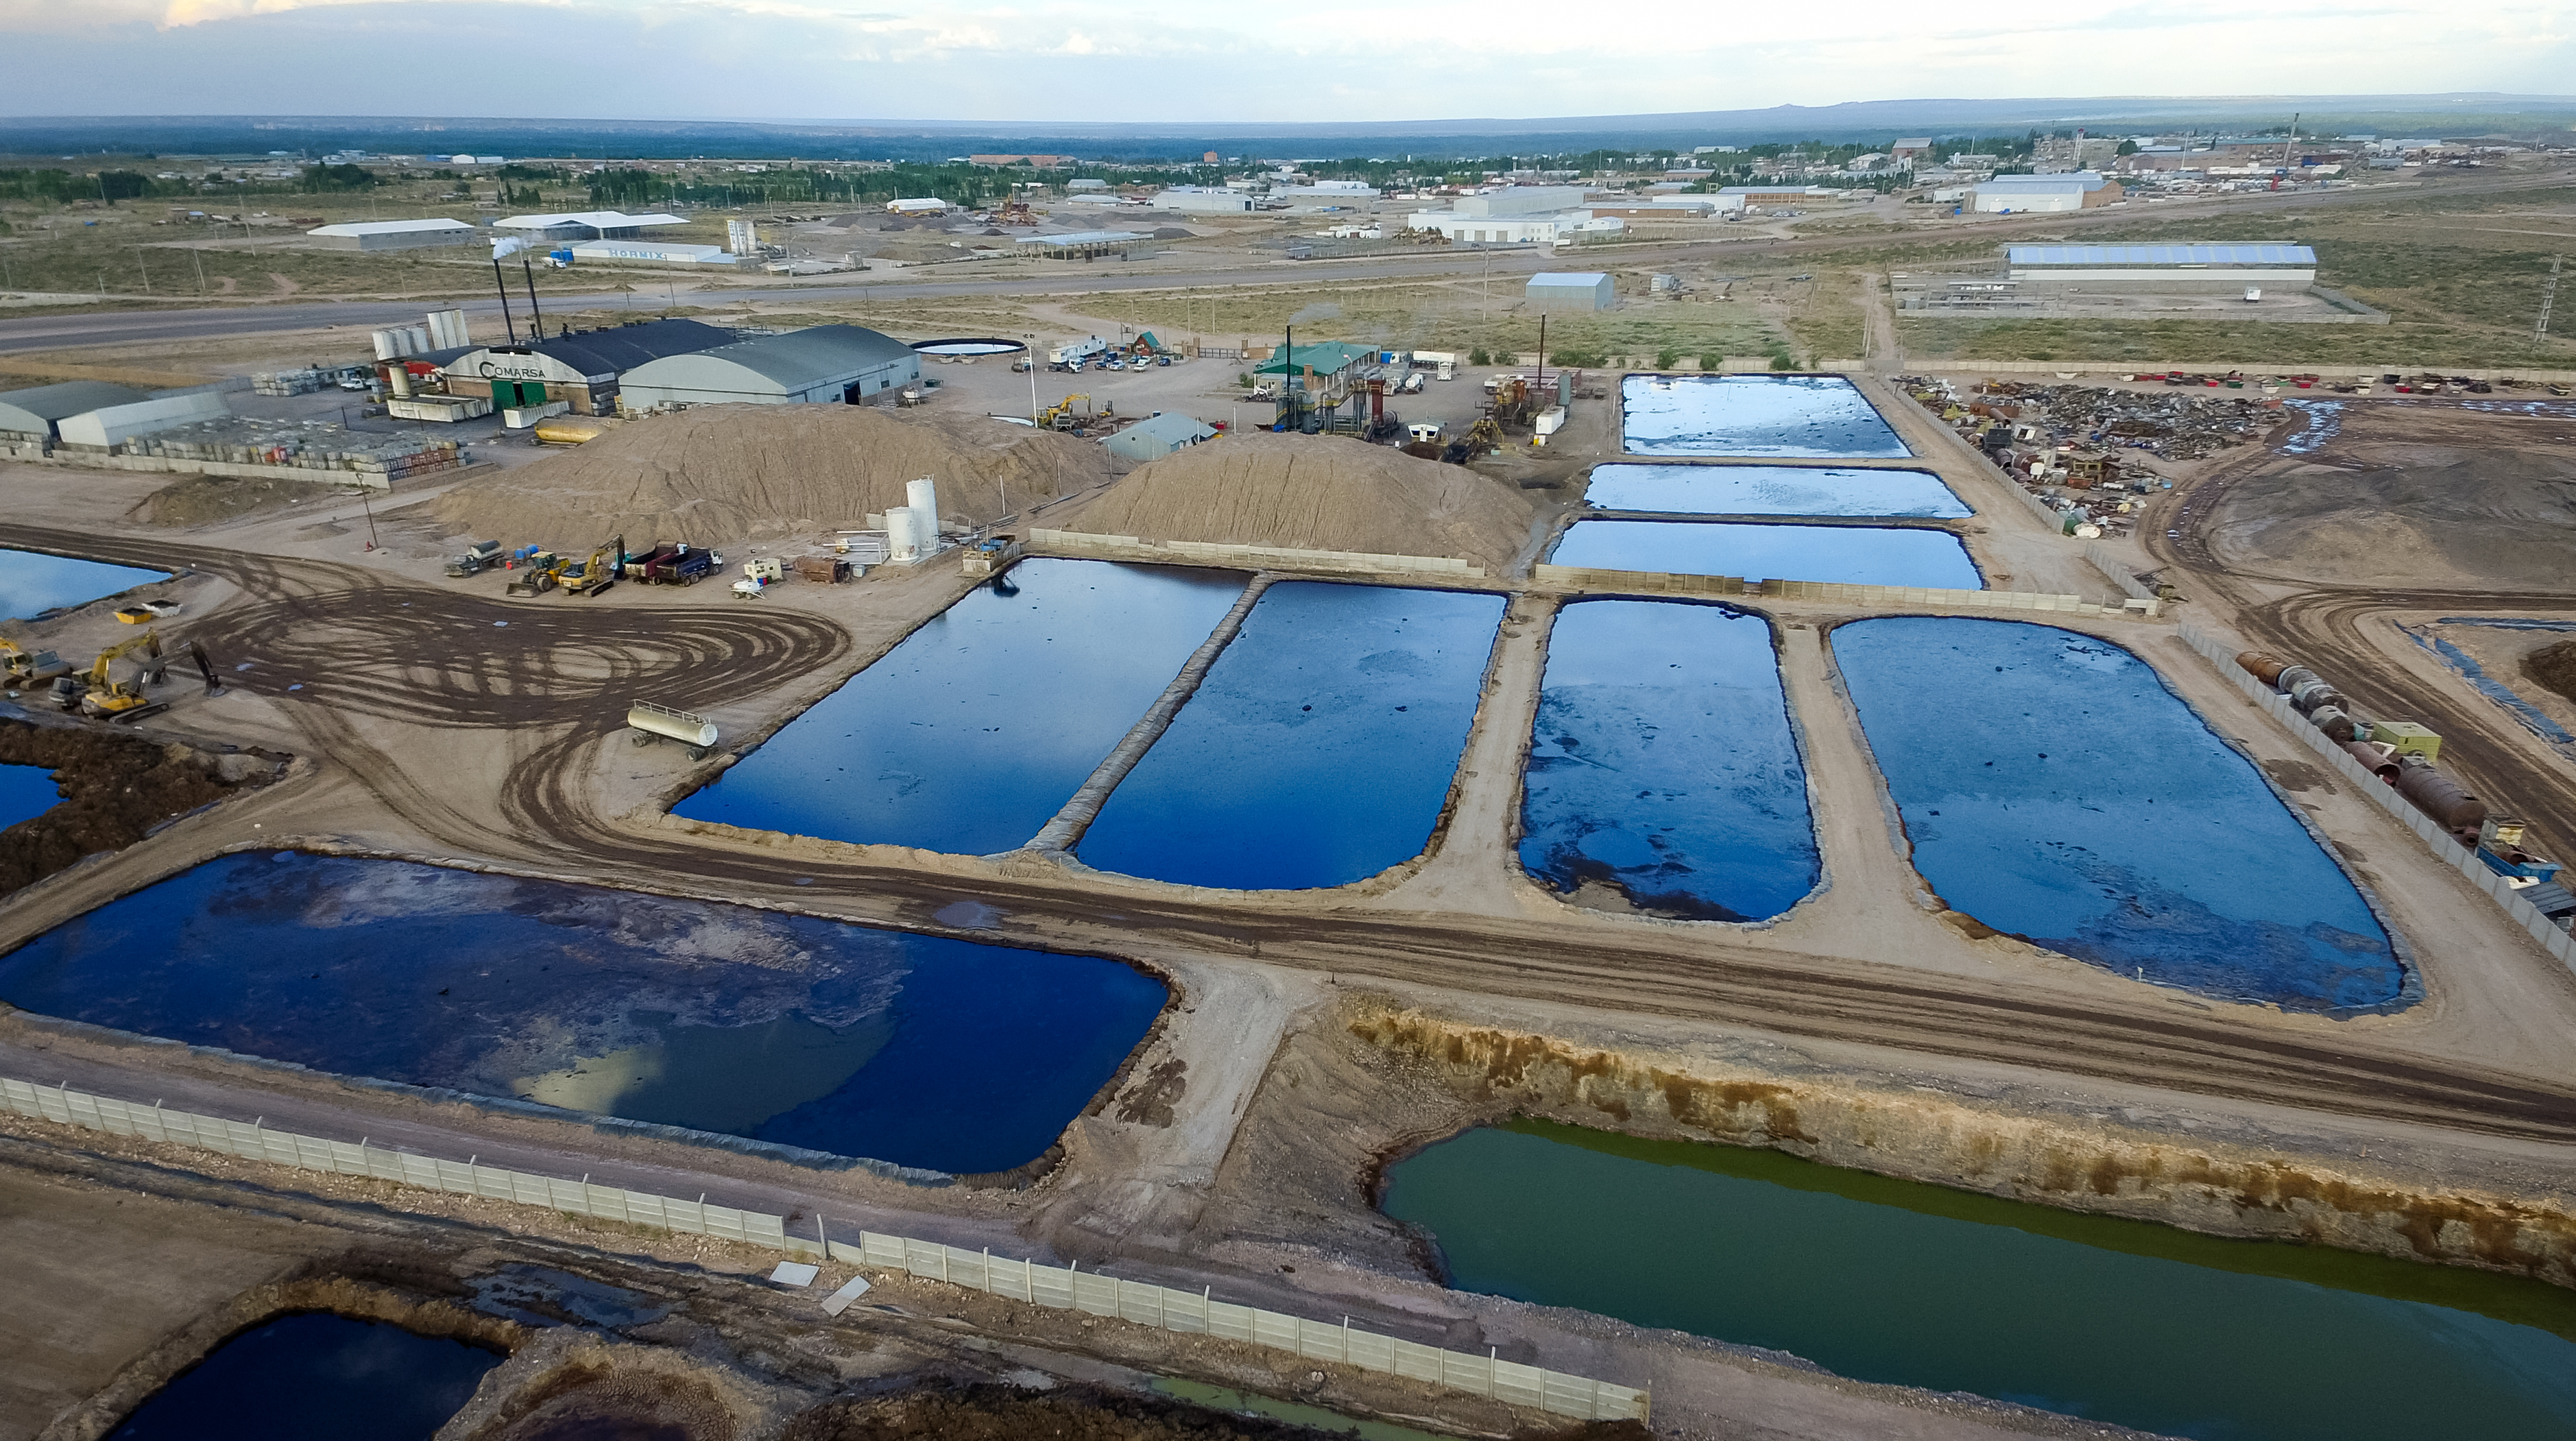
x,y
1444,363
477,558
1066,356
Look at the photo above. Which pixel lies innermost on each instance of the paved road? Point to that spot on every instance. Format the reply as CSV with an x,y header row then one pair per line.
x,y
126,327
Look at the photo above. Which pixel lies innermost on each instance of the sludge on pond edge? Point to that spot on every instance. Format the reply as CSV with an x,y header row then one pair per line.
x,y
899,987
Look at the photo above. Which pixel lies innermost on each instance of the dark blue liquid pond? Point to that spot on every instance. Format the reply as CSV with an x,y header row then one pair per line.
x,y
1662,764
2054,789
1794,417
974,732
315,1377
1898,1282
25,793
917,1050
1772,490
1318,751
31,583
1848,554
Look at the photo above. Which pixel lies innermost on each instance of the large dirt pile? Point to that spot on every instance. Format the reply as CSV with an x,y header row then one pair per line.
x,y
2554,666
2434,498
720,473
1314,492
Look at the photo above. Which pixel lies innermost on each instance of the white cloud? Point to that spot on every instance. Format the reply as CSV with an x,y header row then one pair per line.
x,y
1169,60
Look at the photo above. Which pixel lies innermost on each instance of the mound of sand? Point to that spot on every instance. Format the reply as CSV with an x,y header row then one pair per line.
x,y
2439,499
2554,666
1314,492
721,473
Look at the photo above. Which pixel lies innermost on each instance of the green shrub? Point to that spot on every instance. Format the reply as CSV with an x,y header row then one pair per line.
x,y
1478,356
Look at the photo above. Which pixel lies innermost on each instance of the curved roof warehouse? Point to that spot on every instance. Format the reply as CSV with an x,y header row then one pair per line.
x,y
847,363
583,368
2166,268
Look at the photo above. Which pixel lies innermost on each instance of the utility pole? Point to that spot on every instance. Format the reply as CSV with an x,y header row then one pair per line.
x,y
2548,297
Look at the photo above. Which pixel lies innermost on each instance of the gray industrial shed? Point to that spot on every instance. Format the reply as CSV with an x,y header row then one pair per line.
x,y
1157,436
1570,290
37,413
820,363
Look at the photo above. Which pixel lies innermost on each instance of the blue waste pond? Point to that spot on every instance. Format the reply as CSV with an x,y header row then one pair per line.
x,y
1795,417
974,732
1897,1282
1772,490
2055,790
1318,751
315,1377
25,793
917,1050
31,583
1662,765
1849,554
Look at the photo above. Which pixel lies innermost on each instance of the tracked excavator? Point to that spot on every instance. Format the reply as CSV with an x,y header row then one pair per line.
x,y
123,701
599,572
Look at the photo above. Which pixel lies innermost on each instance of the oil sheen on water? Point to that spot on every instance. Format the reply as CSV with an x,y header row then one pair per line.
x,y
1894,1281
1772,490
1318,751
1662,765
974,732
2052,788
859,1042
1801,417
1845,554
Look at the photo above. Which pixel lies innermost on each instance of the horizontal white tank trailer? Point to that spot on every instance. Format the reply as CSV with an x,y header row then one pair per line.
x,y
647,723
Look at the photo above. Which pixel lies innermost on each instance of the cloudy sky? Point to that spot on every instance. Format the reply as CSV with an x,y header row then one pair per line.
x,y
1164,60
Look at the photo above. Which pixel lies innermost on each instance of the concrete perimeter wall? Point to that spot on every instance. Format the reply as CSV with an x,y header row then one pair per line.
x,y
2459,857
1063,1288
1082,545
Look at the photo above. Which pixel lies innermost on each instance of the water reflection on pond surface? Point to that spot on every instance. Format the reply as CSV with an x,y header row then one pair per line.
x,y
31,582
916,1050
1802,417
1846,554
315,1377
1772,490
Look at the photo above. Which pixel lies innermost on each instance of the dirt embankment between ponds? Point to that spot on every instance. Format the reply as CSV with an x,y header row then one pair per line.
x,y
116,787
2217,1188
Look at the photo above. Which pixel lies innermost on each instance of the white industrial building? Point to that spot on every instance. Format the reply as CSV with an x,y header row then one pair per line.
x,y
33,415
1570,290
1335,189
1516,215
585,225
1747,197
822,363
922,205
585,369
1198,200
655,252
2026,194
113,425
2164,269
393,234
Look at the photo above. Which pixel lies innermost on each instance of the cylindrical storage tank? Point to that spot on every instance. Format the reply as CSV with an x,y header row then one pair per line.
x,y
2264,668
419,335
902,541
400,375
2337,726
2374,758
2310,695
923,495
387,346
447,329
686,729
2440,797
2292,677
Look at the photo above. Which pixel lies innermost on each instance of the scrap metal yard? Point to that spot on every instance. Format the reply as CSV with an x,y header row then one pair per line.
x,y
1109,885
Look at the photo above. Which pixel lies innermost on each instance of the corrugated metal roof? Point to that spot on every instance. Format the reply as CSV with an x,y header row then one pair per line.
x,y
595,219
1568,279
388,227
621,348
71,397
802,359
2162,255
1085,237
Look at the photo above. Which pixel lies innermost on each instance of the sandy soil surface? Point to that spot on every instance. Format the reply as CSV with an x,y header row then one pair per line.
x,y
2412,496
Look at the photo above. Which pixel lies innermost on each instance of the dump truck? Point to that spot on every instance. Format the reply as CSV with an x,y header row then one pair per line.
x,y
25,668
477,558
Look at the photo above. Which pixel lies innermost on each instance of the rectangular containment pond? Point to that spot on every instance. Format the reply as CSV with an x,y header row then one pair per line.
x,y
915,1050
1318,751
1848,554
1772,490
2053,789
315,1377
974,732
31,583
1661,763
1894,1281
25,793
1797,417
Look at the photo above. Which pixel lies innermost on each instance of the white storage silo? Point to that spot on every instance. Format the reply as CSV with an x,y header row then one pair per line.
x,y
388,345
923,496
417,338
903,535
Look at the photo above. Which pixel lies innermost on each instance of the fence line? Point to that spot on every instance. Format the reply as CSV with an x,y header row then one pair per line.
x,y
1063,1288
2116,571
1128,547
2460,858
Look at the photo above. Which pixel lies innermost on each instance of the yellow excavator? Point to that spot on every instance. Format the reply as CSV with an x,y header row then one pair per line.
x,y
599,572
1060,416
116,700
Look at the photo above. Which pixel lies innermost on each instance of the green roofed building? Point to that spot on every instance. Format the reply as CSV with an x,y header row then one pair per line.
x,y
1330,357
